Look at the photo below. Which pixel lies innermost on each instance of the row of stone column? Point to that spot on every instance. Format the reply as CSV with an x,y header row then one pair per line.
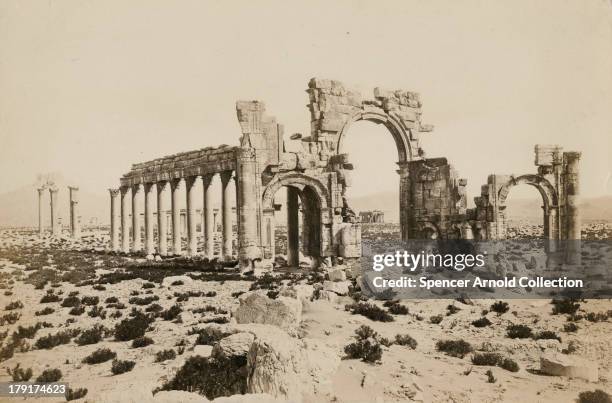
x,y
120,226
75,227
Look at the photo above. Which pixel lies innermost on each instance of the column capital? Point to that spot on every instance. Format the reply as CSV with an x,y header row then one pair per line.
x,y
226,176
73,188
191,180
176,183
136,188
114,192
41,191
148,186
124,190
53,190
161,185
207,180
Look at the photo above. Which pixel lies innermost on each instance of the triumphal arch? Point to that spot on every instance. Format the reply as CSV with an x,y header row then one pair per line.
x,y
316,174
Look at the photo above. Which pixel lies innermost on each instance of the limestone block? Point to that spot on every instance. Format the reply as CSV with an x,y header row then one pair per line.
x,y
338,287
336,274
235,345
570,366
283,312
202,350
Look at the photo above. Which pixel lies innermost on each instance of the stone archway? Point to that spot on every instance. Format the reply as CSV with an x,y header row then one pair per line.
x,y
317,226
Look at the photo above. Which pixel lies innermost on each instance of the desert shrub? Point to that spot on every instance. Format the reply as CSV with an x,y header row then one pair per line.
x,y
91,336
490,377
509,365
208,335
99,287
547,335
70,302
454,348
49,376
116,315
14,305
406,340
570,327
370,311
122,366
26,332
596,396
142,342
165,355
366,346
500,307
177,282
154,308
572,347
171,313
143,301
74,394
452,309
77,310
47,298
148,285
111,300
597,317
217,319
436,319
490,359
97,312
398,309
564,306
45,311
19,374
132,328
482,322
53,340
99,356
10,318
89,300
519,332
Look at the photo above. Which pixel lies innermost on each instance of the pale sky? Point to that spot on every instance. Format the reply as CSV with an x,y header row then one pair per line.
x,y
89,87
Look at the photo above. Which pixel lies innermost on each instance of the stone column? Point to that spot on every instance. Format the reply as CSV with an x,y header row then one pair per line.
x,y
148,219
55,227
41,218
125,219
247,207
207,216
114,220
573,220
175,186
162,220
404,200
226,215
136,238
268,240
75,227
192,236
293,235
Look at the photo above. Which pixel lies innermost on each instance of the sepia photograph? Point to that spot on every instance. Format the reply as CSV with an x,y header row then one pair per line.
x,y
290,201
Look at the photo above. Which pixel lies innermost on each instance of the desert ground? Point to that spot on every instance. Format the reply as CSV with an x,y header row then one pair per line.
x,y
122,328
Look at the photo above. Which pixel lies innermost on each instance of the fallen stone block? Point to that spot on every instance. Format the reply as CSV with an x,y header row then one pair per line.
x,y
339,287
283,312
573,367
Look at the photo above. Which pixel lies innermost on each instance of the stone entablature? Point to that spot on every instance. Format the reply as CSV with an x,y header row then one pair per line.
x,y
182,165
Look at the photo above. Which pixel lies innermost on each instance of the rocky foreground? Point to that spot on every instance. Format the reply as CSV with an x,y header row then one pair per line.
x,y
121,329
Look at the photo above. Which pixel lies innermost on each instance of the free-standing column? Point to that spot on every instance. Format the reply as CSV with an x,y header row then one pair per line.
x,y
293,235
148,218
75,227
208,220
572,212
175,186
404,201
114,219
136,239
248,212
192,237
226,215
125,219
55,228
162,220
41,225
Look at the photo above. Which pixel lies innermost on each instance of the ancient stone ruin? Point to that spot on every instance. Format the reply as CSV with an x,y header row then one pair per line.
x,y
75,225
316,176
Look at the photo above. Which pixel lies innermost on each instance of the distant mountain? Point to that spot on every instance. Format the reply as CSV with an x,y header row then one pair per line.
x,y
594,208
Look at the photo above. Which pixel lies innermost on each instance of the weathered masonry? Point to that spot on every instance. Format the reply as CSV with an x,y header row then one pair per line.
x,y
315,173
75,225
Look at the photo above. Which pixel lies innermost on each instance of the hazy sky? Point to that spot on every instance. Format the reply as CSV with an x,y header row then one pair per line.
x,y
89,87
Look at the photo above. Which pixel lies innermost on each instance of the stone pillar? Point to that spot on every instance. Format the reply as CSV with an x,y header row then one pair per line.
x,y
175,187
75,227
41,218
162,220
247,207
55,226
207,216
114,220
404,201
269,223
148,219
573,220
192,236
293,235
215,222
125,219
226,215
136,238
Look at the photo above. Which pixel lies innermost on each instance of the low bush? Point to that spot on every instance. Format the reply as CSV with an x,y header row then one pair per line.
x,y
406,340
454,348
77,310
99,356
45,311
70,302
509,365
564,306
74,394
519,332
142,342
500,307
91,336
367,346
490,377
49,376
122,366
370,311
596,396
399,309
88,300
165,355
171,313
452,309
111,300
19,374
47,298
132,328
26,332
482,322
436,319
490,359
53,340
547,335
14,305
570,327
